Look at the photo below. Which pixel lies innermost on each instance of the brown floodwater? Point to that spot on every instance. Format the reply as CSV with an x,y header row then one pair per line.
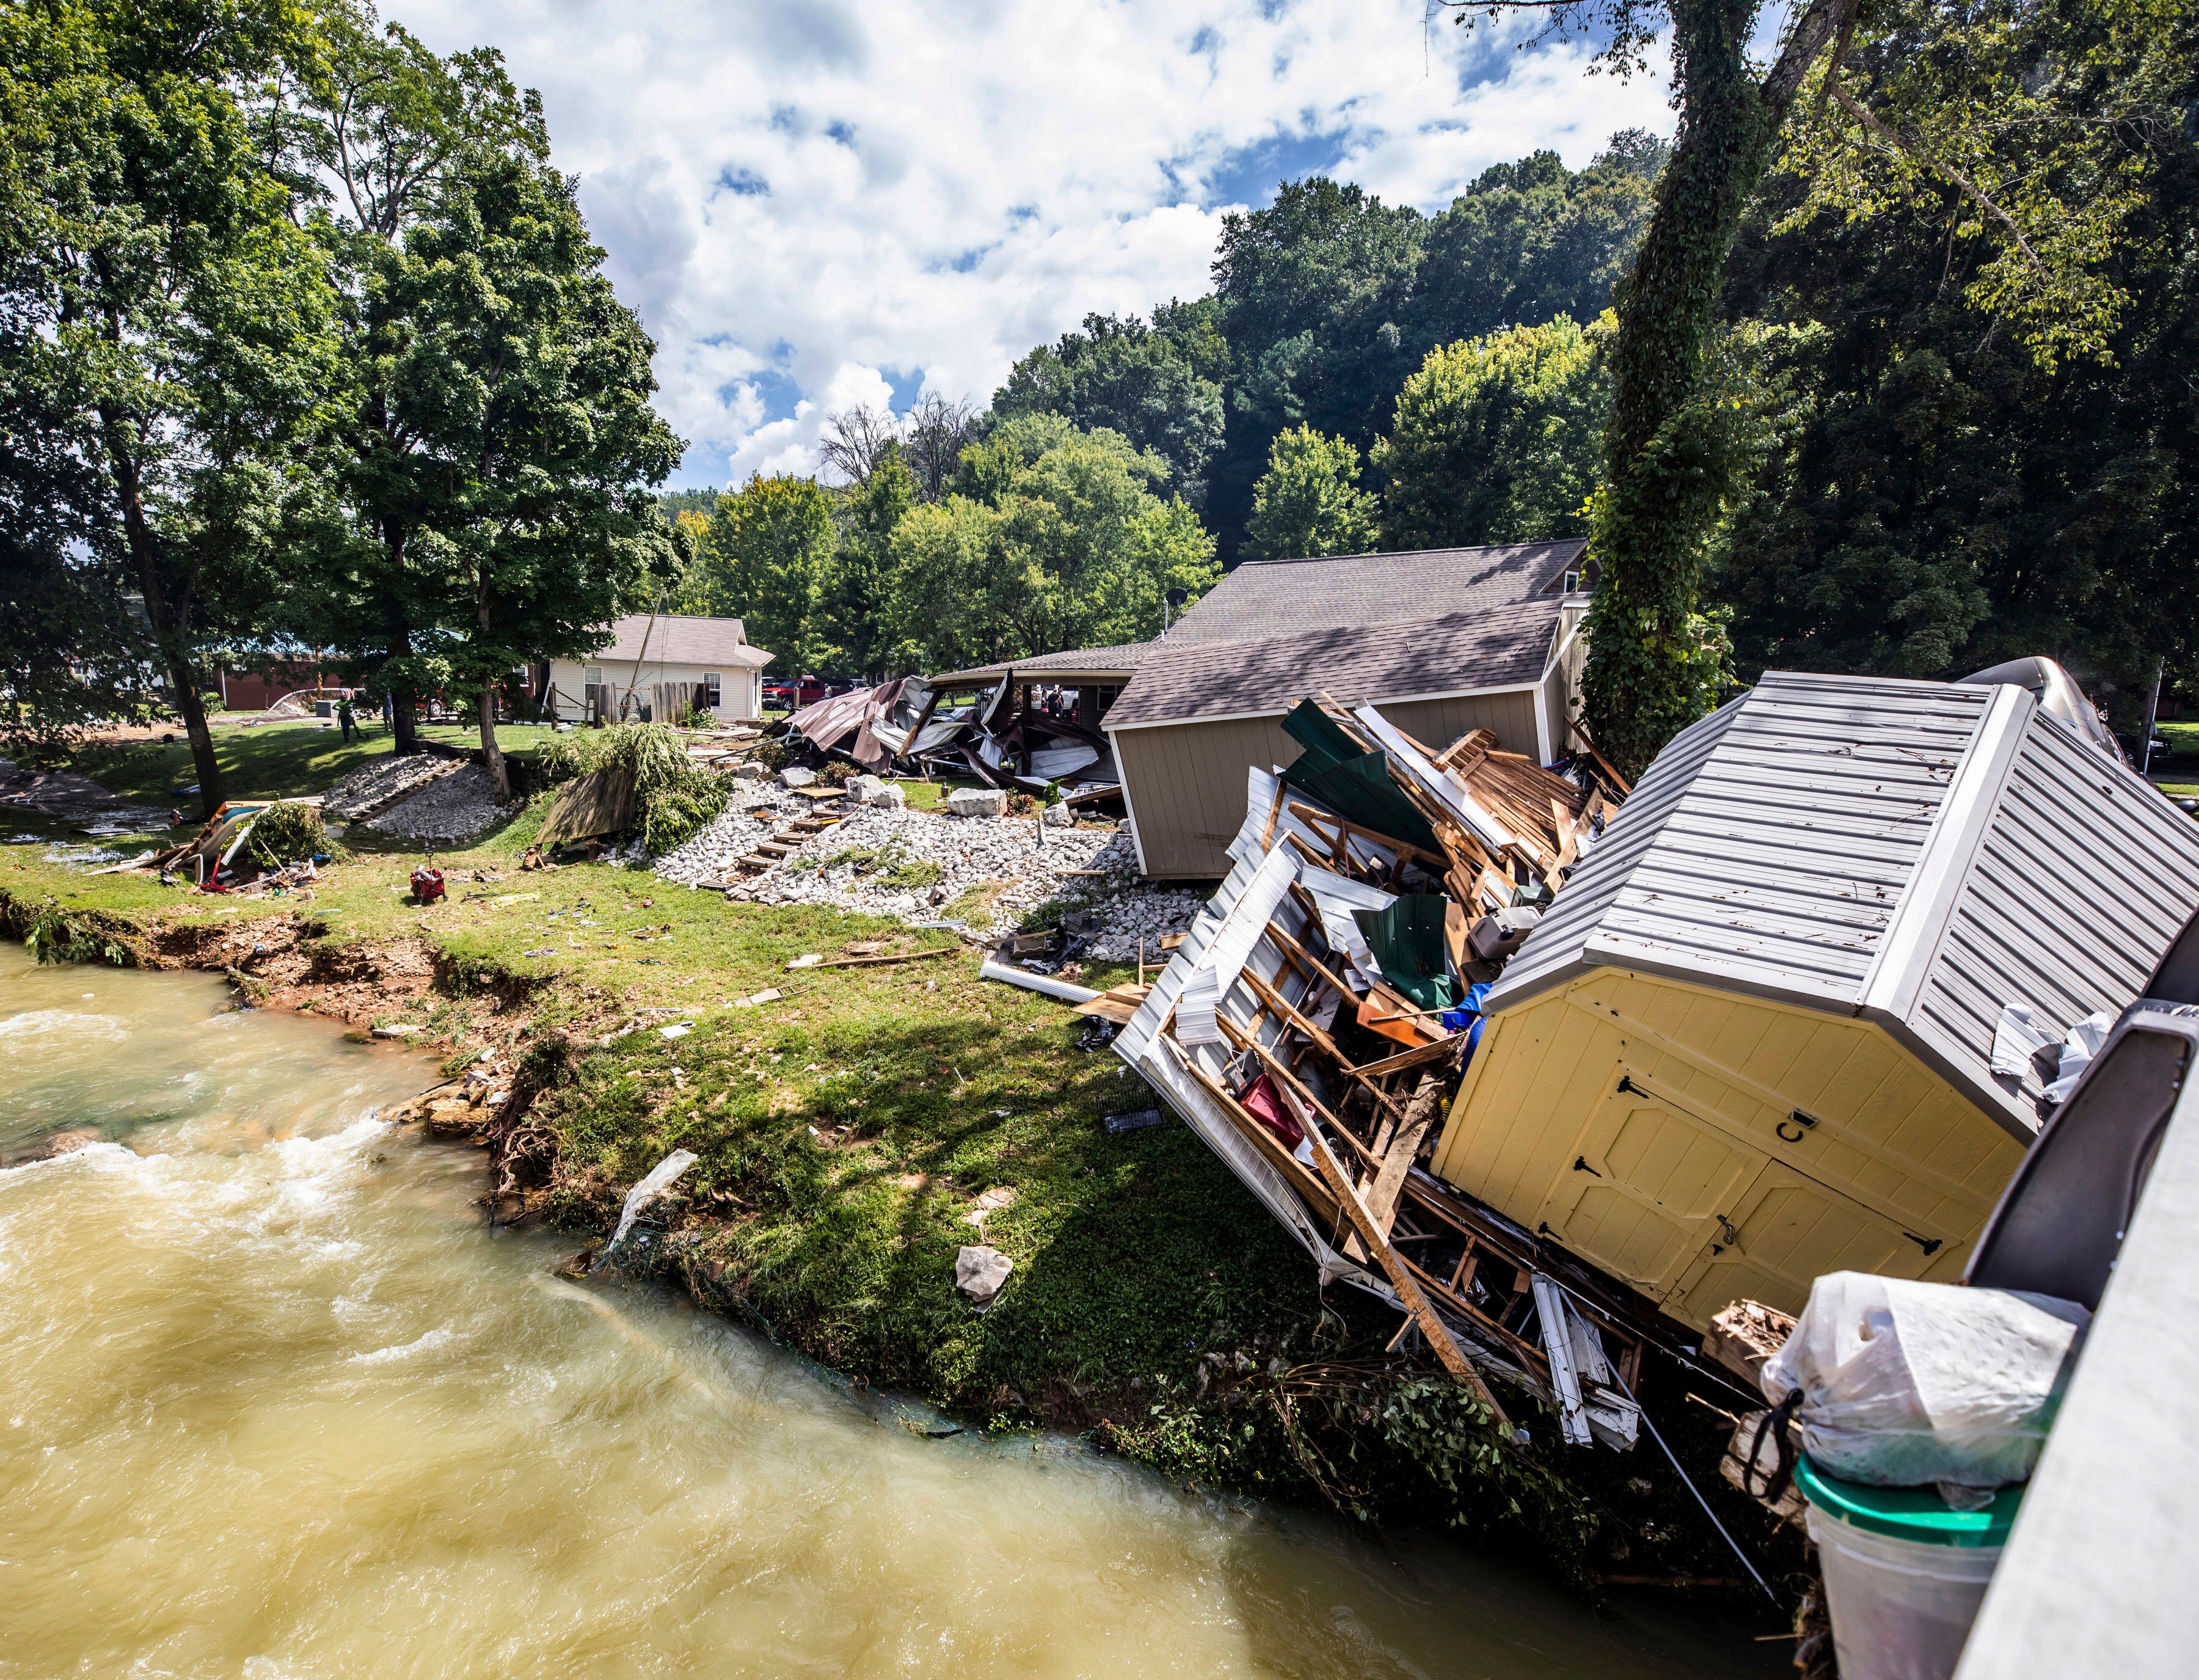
x,y
274,1404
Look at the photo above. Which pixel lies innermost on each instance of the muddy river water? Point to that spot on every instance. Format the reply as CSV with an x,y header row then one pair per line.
x,y
274,1405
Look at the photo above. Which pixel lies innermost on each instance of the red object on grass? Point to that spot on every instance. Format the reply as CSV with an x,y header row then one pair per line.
x,y
427,884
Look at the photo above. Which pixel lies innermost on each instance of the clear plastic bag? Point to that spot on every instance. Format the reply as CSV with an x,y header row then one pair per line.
x,y
1910,1385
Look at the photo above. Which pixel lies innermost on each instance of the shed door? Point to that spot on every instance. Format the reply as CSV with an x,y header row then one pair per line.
x,y
1680,1203
1646,1184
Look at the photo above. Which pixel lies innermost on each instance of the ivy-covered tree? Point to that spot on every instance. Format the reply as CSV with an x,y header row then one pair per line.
x,y
1309,501
1052,539
1497,439
763,560
524,387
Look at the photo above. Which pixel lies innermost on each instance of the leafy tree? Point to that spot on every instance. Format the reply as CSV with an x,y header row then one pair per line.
x,y
524,387
1052,539
856,591
1309,501
390,123
182,314
762,560
1967,481
1496,440
1159,385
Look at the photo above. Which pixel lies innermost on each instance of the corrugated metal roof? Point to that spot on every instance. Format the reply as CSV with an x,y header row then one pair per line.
x,y
1778,860
1922,853
1123,657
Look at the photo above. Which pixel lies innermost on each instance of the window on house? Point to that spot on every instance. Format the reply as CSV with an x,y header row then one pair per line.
x,y
710,690
592,676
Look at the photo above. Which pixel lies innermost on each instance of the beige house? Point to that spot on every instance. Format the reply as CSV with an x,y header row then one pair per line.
x,y
1441,640
667,663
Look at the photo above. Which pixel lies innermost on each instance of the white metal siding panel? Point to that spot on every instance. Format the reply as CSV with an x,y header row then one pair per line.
x,y
1782,841
1553,952
2082,880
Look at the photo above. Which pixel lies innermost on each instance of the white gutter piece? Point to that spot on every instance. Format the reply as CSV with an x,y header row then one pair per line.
x,y
1035,982
1447,788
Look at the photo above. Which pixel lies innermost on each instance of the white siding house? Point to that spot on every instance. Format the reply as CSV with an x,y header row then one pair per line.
x,y
649,657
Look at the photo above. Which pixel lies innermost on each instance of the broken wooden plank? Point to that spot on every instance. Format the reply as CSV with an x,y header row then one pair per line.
x,y
896,957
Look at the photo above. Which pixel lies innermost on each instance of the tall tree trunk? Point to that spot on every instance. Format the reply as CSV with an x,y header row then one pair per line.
x,y
404,722
145,560
499,776
1666,478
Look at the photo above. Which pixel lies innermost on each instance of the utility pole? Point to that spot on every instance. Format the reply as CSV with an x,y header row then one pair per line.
x,y
2152,712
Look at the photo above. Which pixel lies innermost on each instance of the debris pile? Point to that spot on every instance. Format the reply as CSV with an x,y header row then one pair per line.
x,y
1313,1024
1006,736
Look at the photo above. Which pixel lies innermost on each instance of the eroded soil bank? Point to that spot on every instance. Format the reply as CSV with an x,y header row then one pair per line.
x,y
856,1130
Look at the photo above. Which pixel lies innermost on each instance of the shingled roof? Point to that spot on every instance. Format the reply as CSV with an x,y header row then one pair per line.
x,y
678,639
1491,647
1269,598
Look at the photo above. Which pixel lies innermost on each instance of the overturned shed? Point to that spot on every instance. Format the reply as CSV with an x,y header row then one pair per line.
x,y
1310,1023
1753,1039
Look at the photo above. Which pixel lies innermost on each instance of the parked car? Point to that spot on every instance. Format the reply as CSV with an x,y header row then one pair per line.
x,y
792,696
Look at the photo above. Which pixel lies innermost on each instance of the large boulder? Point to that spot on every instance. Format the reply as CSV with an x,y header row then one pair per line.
x,y
889,798
1059,816
864,790
794,776
976,802
979,1272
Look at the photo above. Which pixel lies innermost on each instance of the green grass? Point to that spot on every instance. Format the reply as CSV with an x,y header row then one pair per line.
x,y
272,760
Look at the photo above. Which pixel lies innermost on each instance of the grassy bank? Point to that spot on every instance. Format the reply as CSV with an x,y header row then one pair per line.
x,y
853,1134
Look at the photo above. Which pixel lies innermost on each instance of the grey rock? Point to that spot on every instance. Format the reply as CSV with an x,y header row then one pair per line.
x,y
977,803
1059,816
794,776
979,1272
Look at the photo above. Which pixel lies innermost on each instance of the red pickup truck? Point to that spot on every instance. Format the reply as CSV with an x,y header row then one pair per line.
x,y
794,695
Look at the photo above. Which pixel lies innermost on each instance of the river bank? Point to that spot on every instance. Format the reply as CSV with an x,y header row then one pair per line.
x,y
852,1134
282,1402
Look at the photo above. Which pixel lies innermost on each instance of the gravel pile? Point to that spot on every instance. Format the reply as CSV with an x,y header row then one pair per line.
x,y
453,810
968,851
379,780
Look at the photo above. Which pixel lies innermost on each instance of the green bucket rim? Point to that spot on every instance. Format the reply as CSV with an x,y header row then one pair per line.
x,y
1917,1514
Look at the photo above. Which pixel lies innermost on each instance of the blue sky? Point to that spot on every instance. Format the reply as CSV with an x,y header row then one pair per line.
x,y
817,205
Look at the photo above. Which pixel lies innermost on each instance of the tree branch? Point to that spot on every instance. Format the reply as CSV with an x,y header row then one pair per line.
x,y
1916,149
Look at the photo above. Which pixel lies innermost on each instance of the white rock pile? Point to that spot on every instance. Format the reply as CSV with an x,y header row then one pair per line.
x,y
969,852
380,779
453,810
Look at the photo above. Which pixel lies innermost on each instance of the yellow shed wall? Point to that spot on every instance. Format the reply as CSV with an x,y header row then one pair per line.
x,y
1650,1127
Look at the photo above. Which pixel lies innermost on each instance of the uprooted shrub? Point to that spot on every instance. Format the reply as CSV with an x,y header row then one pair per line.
x,y
673,799
286,831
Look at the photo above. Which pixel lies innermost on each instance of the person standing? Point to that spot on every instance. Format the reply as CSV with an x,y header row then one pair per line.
x,y
344,720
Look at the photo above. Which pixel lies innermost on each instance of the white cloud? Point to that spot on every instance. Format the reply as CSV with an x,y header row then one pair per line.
x,y
813,204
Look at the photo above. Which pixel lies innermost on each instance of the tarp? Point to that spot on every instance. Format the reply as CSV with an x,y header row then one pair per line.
x,y
1357,785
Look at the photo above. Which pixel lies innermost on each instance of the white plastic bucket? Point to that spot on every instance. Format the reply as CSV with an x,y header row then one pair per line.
x,y
1901,1609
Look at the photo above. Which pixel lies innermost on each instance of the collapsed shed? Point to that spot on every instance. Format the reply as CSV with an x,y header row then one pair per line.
x,y
1753,1042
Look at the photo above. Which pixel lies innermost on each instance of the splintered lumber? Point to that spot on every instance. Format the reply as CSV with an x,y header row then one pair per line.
x,y
1394,1268
1117,1003
1420,1113
895,957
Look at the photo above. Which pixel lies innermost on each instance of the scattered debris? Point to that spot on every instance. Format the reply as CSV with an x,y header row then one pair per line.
x,y
1135,1121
